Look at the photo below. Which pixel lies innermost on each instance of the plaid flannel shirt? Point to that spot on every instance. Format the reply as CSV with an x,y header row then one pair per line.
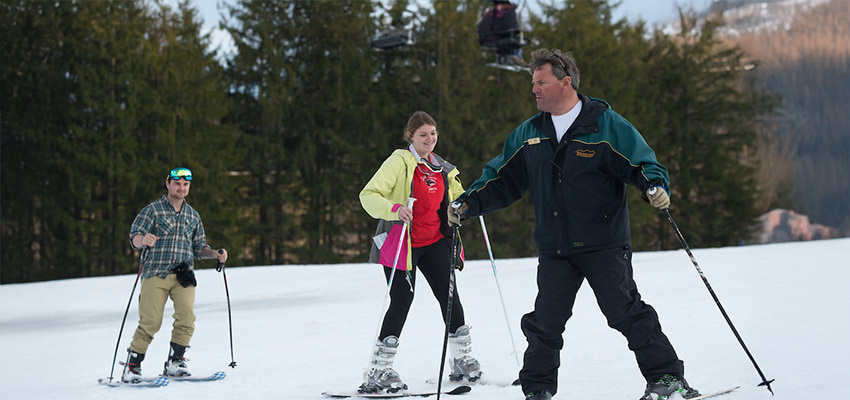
x,y
180,236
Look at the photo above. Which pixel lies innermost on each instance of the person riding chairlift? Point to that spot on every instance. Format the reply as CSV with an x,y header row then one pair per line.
x,y
499,29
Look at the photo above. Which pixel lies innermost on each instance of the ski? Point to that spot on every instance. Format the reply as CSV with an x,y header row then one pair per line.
x,y
192,378
455,391
146,382
720,393
483,381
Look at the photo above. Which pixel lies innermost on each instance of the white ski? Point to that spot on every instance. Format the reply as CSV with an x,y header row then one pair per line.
x,y
192,378
455,391
720,393
146,382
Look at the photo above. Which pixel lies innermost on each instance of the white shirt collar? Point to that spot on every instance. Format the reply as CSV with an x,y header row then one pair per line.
x,y
432,159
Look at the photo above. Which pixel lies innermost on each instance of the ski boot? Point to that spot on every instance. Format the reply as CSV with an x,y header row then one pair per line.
x,y
544,395
381,377
666,385
464,366
133,367
176,364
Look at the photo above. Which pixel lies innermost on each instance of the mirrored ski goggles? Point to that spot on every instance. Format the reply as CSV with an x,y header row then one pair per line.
x,y
430,166
178,173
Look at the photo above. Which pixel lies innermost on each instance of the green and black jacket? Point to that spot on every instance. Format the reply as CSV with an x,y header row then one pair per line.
x,y
578,186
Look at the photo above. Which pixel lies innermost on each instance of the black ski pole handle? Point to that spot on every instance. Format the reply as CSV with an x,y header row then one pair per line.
x,y
220,264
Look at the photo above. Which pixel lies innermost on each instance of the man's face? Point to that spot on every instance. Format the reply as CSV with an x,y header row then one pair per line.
x,y
549,91
177,188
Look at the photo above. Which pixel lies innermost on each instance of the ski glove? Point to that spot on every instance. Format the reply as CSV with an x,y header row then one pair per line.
x,y
185,275
658,197
455,217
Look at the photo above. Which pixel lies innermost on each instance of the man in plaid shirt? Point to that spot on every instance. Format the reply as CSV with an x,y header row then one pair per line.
x,y
170,234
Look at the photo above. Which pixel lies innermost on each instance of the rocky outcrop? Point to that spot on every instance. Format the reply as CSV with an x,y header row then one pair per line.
x,y
782,225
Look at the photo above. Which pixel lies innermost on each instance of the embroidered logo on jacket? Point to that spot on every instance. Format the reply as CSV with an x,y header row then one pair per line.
x,y
586,153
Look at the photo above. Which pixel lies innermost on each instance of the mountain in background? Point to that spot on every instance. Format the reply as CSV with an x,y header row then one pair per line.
x,y
764,16
801,50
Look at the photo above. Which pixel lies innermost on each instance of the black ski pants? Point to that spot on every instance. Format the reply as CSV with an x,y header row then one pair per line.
x,y
609,273
434,262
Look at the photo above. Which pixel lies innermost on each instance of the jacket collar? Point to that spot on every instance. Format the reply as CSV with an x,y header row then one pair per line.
x,y
586,122
411,160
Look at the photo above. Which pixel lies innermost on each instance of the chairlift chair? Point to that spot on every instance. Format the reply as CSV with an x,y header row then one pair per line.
x,y
395,38
499,30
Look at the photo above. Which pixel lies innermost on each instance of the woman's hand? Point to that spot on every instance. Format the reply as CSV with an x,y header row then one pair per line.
x,y
405,214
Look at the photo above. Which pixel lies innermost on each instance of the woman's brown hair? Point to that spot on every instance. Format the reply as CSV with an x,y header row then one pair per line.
x,y
416,120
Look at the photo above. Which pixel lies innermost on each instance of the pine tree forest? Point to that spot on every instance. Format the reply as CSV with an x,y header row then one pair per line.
x,y
100,99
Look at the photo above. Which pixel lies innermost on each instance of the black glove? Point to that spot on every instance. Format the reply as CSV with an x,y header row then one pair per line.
x,y
185,275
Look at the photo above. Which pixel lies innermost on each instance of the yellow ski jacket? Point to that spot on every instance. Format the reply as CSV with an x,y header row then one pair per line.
x,y
387,191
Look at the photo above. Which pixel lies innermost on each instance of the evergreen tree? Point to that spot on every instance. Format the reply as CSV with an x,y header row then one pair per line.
x,y
284,137
187,101
479,106
607,52
476,107
94,125
109,102
705,124
36,50
301,83
678,92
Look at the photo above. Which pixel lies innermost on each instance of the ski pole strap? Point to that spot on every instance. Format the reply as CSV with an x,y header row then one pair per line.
x,y
408,276
220,265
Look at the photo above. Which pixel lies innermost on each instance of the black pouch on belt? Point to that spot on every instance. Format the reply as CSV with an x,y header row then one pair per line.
x,y
185,275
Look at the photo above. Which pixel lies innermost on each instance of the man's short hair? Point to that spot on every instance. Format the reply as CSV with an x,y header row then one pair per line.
x,y
562,64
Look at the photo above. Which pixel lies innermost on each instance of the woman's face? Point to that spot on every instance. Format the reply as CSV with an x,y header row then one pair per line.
x,y
424,139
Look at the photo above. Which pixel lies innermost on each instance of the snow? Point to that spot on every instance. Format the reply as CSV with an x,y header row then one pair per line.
x,y
301,330
764,16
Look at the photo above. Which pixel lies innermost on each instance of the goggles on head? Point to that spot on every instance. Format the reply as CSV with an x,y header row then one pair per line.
x,y
178,173
430,166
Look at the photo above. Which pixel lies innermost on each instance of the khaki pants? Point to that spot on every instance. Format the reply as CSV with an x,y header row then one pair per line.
x,y
152,297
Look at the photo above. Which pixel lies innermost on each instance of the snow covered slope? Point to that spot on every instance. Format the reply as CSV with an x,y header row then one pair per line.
x,y
301,330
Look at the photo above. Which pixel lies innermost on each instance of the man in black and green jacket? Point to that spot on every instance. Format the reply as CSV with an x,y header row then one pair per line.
x,y
576,158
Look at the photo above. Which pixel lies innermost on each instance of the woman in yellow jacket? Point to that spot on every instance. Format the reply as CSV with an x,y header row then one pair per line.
x,y
418,173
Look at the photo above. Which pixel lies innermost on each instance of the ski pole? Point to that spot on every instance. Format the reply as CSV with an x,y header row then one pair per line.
x,y
410,201
448,318
499,287
220,268
127,310
681,238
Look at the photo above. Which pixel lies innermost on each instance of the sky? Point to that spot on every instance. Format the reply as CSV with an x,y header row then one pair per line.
x,y
656,11
651,11
300,330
